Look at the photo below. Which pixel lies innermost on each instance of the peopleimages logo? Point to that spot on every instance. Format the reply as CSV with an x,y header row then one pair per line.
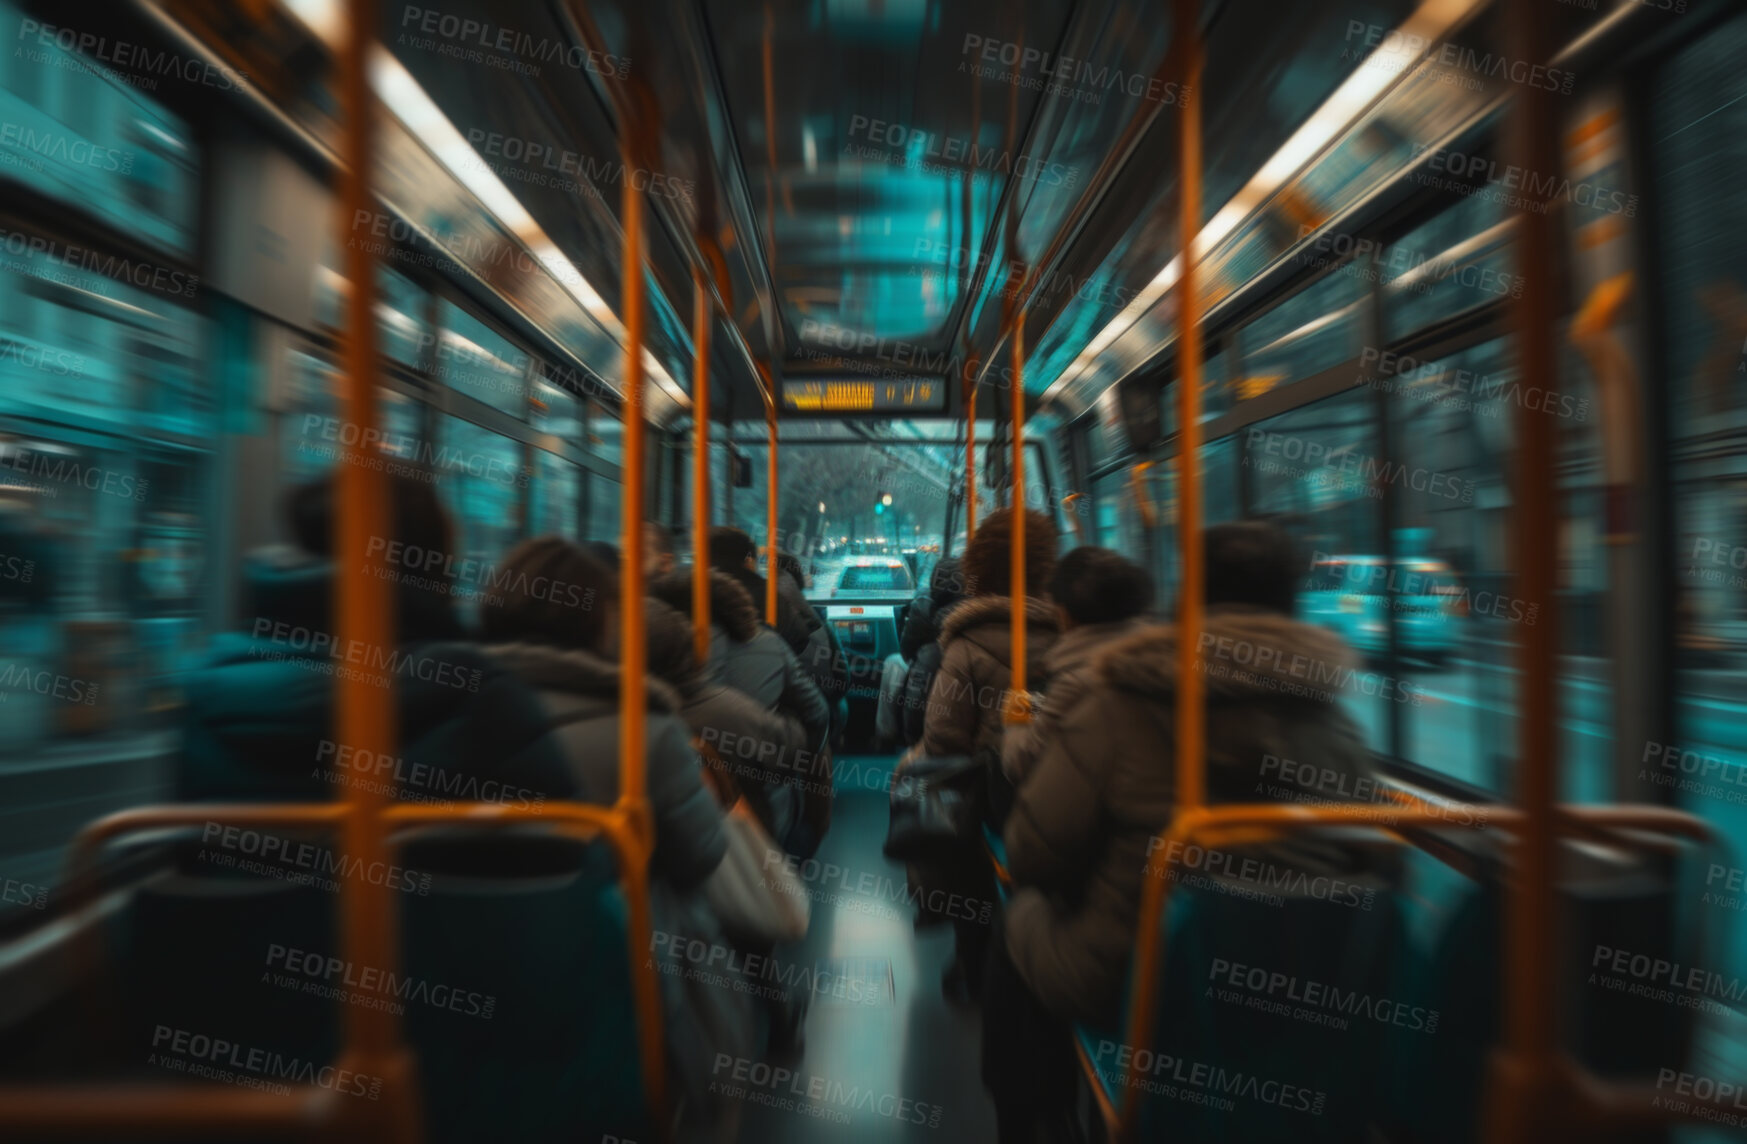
x,y
200,1054
1008,62
60,146
933,152
1196,1082
480,41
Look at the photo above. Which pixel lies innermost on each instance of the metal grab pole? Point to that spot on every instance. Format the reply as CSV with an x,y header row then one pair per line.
x,y
1524,1102
1191,716
701,328
364,611
633,650
970,462
770,568
1018,708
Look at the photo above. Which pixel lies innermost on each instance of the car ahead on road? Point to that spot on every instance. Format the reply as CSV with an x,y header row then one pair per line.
x,y
1352,596
875,576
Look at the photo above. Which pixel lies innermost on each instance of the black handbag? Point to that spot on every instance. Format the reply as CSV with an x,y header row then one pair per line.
x,y
938,805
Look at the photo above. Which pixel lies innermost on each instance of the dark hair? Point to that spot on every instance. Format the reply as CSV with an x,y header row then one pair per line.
x,y
673,656
790,563
657,538
549,591
988,558
1252,562
607,554
1098,586
730,548
416,518
946,584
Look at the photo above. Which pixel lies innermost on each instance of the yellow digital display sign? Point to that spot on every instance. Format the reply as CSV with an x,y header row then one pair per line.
x,y
911,396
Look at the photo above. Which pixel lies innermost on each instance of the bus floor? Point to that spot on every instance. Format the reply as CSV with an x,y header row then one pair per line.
x,y
886,1056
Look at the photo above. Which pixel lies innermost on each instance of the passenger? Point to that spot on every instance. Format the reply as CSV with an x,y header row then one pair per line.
x,y
1100,597
1077,842
259,721
658,549
763,748
920,643
823,655
750,657
733,553
965,704
607,555
964,715
568,653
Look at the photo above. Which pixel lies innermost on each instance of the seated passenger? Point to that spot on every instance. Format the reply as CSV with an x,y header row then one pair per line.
x,y
658,550
1100,597
1103,787
565,644
751,658
259,719
920,643
764,749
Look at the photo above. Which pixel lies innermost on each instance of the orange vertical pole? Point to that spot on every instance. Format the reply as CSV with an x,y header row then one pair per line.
x,y
970,462
770,568
633,650
1191,713
701,328
1019,705
1522,1103
364,613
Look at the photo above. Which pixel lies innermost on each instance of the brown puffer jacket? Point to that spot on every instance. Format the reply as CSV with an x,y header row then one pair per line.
x,y
1077,840
976,642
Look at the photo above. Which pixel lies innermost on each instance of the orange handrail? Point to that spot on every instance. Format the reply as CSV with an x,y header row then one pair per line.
x,y
633,646
1248,823
1079,524
970,462
99,1107
768,392
701,328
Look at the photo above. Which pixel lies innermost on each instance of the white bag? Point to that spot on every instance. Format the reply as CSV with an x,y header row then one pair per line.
x,y
758,898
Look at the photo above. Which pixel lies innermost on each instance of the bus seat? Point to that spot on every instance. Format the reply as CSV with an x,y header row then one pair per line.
x,y
1282,1077
515,989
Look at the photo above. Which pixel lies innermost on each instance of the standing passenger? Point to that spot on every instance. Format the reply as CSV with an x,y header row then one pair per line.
x,y
920,643
1104,786
965,706
1101,597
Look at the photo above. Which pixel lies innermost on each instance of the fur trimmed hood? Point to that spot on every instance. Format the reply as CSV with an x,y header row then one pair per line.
x,y
731,606
575,673
1247,652
981,611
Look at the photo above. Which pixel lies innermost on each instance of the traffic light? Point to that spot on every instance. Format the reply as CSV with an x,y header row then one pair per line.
x,y
879,508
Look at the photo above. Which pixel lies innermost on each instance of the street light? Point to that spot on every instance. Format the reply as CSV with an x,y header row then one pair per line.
x,y
886,500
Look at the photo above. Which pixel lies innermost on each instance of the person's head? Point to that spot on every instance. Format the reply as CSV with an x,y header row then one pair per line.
x,y
790,563
1098,586
549,591
658,542
1251,562
988,558
673,656
417,520
732,550
603,552
946,585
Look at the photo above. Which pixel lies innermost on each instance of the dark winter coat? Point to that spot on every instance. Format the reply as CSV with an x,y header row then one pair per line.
x,y
579,697
964,713
1077,840
258,723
